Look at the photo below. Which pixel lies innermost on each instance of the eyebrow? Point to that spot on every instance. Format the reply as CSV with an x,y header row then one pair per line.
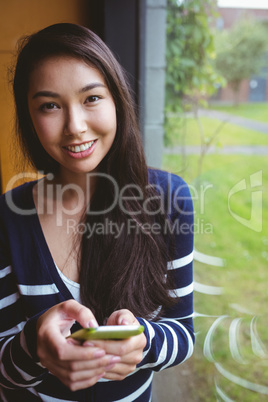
x,y
92,86
51,94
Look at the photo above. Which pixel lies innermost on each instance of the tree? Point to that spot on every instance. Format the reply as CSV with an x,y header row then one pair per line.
x,y
190,51
191,77
240,52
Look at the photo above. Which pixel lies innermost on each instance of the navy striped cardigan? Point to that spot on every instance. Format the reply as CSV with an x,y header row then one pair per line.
x,y
30,284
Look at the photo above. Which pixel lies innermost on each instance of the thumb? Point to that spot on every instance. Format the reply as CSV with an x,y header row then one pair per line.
x,y
122,317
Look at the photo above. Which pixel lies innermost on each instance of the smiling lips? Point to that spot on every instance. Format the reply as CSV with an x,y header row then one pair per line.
x,y
80,151
80,148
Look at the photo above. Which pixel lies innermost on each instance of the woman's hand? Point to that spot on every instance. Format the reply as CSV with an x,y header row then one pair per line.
x,y
130,350
77,366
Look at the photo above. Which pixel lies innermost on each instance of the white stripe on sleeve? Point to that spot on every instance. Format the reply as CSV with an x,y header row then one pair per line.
x,y
25,376
14,330
138,392
7,301
181,262
189,338
38,290
2,368
162,354
180,292
151,336
5,271
174,349
48,398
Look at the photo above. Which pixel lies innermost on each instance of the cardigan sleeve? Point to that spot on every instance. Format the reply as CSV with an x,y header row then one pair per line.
x,y
19,366
170,340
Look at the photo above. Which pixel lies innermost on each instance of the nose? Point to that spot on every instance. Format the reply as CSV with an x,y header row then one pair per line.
x,y
75,122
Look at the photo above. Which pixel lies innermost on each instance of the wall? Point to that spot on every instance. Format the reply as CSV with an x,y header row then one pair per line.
x,y
154,78
19,17
227,95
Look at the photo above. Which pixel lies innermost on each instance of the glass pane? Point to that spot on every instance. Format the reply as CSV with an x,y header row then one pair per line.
x,y
216,138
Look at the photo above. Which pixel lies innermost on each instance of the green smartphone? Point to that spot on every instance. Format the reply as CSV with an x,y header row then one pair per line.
x,y
107,332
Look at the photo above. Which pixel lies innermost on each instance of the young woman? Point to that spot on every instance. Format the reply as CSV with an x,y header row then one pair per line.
x,y
99,240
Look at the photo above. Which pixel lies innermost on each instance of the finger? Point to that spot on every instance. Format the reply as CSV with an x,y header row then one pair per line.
x,y
70,371
122,347
113,347
80,353
73,377
73,341
119,371
89,381
65,351
114,376
81,375
83,315
122,317
127,318
127,365
105,361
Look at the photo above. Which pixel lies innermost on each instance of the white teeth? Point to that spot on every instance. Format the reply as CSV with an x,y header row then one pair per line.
x,y
80,148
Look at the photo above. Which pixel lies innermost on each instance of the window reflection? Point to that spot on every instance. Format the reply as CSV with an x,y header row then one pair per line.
x,y
216,138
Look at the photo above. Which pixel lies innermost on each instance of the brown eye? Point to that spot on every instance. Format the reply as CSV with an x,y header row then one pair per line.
x,y
48,106
92,99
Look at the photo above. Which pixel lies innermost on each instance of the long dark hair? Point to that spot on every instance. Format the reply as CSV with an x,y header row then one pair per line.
x,y
128,270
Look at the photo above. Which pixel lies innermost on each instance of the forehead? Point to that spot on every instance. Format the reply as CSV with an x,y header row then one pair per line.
x,y
63,70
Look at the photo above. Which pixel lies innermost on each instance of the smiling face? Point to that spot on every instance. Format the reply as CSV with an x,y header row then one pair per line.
x,y
73,113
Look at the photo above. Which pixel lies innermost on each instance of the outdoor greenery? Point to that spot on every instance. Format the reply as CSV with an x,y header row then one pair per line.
x,y
187,131
256,111
197,64
240,52
244,275
190,52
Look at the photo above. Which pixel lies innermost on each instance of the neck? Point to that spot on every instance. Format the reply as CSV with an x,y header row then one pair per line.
x,y
86,182
72,190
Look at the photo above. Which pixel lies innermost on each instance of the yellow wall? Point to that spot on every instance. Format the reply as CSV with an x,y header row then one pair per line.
x,y
17,18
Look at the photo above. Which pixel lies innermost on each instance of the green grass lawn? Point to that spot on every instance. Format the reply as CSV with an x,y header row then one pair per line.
x,y
243,277
256,111
186,131
220,232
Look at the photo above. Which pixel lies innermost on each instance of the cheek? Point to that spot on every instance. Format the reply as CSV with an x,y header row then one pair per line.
x,y
45,127
105,122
